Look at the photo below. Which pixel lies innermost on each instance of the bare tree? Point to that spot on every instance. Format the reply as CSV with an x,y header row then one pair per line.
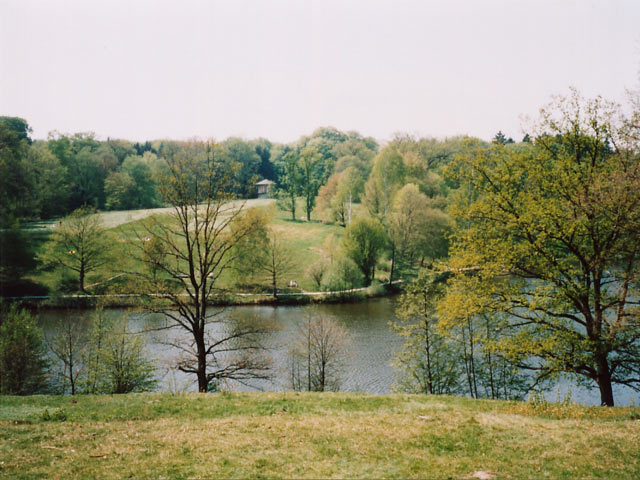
x,y
317,271
193,247
68,348
318,355
275,261
106,357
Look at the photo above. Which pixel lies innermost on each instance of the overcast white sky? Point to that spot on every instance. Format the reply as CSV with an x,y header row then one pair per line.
x,y
278,69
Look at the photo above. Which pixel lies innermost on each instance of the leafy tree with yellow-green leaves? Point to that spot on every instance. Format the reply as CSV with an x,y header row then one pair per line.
x,y
364,242
429,361
309,165
78,243
549,238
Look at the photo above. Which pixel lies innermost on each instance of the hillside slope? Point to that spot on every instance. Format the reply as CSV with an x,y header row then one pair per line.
x,y
295,435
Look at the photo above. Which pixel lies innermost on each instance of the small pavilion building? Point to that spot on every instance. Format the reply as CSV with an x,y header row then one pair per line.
x,y
264,187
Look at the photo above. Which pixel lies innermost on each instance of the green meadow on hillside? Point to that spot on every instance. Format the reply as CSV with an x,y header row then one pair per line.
x,y
306,241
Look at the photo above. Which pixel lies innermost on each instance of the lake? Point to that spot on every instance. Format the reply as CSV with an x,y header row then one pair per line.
x,y
371,349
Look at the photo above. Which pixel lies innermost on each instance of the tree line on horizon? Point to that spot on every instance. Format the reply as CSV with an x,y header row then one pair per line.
x,y
44,179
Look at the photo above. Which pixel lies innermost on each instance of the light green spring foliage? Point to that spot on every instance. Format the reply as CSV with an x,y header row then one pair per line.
x,y
255,243
133,186
407,194
115,360
429,361
276,261
310,163
335,199
418,229
78,244
357,153
22,355
126,365
263,256
290,184
364,242
388,175
326,193
408,160
348,191
553,232
341,274
50,190
454,358
242,158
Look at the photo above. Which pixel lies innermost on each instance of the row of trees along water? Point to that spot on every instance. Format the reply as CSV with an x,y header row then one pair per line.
x,y
523,255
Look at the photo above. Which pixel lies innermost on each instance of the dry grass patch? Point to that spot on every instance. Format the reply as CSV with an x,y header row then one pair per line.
x,y
307,436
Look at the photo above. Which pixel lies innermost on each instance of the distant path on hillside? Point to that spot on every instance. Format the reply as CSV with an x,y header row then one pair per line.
x,y
116,218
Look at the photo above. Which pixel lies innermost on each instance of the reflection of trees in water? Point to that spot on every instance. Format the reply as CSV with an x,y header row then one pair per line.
x,y
368,367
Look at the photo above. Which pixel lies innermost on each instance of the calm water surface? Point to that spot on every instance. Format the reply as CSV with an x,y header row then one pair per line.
x,y
371,349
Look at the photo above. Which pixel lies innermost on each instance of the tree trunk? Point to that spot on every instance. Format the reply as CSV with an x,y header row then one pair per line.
x,y
471,359
393,262
604,381
202,361
274,284
293,208
322,376
491,383
82,278
466,362
428,348
308,355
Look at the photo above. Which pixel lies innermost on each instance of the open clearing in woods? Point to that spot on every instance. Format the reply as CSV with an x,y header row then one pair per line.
x,y
120,217
296,435
305,239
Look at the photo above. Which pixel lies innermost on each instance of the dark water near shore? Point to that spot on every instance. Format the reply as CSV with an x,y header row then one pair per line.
x,y
372,347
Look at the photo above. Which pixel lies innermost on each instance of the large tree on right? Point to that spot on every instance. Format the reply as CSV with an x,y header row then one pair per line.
x,y
549,239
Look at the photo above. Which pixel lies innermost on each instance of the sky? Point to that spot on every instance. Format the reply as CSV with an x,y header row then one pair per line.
x,y
150,69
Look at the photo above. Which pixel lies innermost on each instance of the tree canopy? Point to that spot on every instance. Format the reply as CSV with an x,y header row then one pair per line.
x,y
552,234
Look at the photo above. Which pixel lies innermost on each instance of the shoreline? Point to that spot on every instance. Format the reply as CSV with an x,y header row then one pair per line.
x,y
128,300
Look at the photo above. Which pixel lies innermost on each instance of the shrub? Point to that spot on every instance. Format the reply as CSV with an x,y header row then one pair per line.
x,y
343,274
115,360
23,363
126,369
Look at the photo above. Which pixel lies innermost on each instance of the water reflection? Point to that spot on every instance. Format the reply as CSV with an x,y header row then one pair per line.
x,y
372,348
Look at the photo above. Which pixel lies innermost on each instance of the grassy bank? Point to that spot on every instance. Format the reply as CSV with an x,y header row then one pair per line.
x,y
312,436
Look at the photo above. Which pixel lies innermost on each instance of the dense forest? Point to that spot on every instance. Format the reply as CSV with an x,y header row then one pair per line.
x,y
48,179
44,179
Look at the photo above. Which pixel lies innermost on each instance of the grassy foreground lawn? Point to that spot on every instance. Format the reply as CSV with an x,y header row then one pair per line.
x,y
312,436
